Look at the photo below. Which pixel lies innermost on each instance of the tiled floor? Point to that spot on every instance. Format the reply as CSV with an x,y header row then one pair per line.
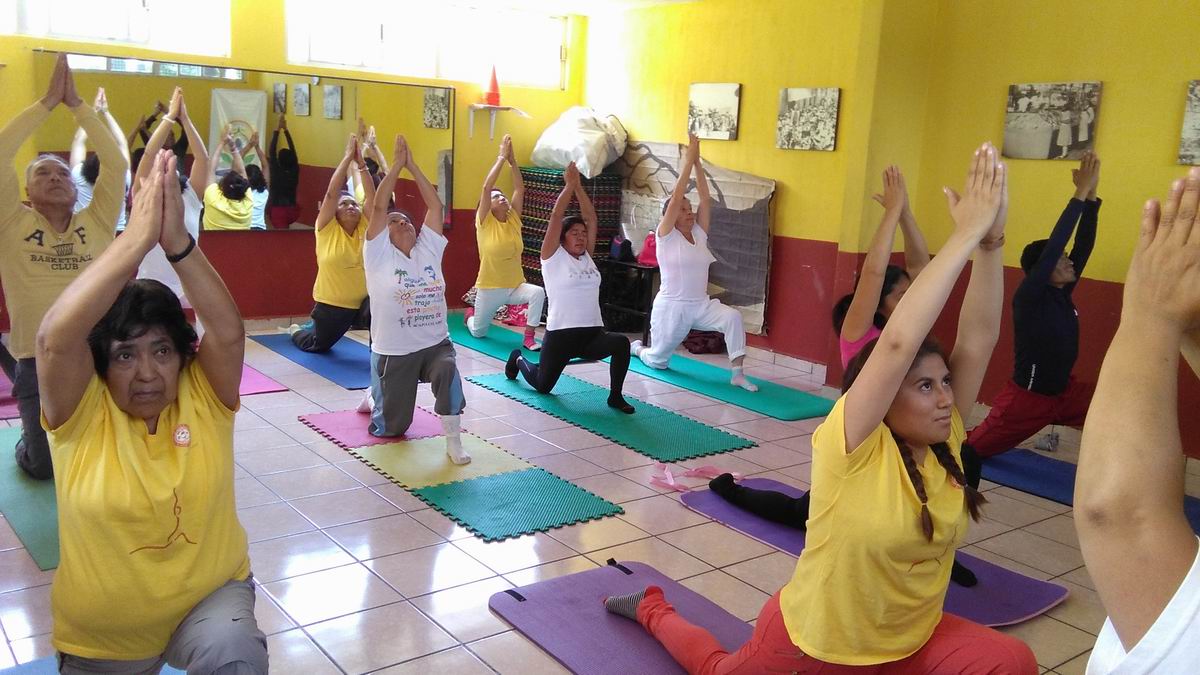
x,y
357,576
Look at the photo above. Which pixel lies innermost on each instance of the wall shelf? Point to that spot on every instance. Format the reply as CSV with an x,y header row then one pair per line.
x,y
492,110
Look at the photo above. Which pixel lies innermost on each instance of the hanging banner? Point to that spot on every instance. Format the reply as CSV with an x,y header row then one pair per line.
x,y
242,112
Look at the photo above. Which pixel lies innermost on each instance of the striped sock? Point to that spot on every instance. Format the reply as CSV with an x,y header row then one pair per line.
x,y
625,605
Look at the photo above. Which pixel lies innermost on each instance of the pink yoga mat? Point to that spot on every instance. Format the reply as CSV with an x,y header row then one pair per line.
x,y
348,428
254,382
8,404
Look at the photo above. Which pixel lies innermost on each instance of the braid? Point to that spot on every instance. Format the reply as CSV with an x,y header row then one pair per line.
x,y
910,465
973,498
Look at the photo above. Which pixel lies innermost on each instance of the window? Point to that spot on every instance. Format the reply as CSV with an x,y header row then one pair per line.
x,y
113,64
168,25
448,40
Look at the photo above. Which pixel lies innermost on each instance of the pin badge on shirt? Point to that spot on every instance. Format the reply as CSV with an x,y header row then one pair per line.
x,y
183,436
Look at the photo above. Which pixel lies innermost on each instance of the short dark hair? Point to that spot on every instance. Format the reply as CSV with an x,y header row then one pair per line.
x,y
568,223
254,176
891,276
142,304
90,169
234,186
1033,251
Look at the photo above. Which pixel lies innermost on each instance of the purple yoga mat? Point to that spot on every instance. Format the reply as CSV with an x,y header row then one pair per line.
x,y
1001,598
348,428
254,382
565,616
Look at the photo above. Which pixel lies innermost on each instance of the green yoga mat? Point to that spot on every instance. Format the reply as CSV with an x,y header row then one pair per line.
x,y
511,504
652,431
29,505
773,400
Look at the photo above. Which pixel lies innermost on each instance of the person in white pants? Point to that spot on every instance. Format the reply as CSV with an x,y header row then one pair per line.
x,y
682,302
501,280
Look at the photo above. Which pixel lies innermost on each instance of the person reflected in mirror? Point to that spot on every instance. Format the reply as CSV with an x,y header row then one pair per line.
x,y
191,185
227,201
141,425
682,303
259,177
501,281
340,292
282,208
410,340
47,245
85,168
574,326
177,144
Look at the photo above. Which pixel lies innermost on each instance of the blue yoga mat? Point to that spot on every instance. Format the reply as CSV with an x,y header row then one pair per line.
x,y
348,364
1053,479
49,666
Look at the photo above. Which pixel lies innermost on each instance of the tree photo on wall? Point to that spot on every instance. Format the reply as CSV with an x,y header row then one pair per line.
x,y
713,110
331,100
300,98
1054,120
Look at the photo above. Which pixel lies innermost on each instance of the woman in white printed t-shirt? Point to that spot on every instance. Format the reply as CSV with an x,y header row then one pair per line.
x,y
1137,543
682,302
574,327
410,342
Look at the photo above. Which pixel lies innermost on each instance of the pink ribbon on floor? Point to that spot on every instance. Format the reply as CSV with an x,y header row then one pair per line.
x,y
665,478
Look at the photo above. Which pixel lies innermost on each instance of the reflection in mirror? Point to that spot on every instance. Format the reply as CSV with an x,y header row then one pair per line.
x,y
268,143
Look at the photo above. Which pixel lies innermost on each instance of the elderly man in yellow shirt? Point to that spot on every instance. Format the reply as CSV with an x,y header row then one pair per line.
x,y
43,248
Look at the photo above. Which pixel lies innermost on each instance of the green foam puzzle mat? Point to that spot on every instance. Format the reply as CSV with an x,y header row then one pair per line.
x,y
652,431
29,505
771,399
511,504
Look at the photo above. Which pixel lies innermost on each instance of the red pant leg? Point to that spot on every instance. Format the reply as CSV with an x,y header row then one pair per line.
x,y
1016,415
962,647
1074,403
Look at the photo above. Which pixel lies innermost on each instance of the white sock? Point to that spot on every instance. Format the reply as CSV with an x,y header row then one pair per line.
x,y
367,404
454,448
739,379
635,347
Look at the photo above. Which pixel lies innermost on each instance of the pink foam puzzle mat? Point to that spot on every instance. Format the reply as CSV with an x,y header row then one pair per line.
x,y
348,428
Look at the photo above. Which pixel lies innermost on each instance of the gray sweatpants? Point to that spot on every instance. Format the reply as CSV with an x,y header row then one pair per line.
x,y
219,637
394,382
33,448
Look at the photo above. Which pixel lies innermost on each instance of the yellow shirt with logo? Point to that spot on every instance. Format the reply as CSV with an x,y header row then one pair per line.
x,y
869,587
223,213
500,248
37,263
341,277
147,522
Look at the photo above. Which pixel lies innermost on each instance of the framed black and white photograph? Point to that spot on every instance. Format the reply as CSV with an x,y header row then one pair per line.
x,y
331,100
279,97
437,108
1189,141
300,99
713,110
807,119
1054,120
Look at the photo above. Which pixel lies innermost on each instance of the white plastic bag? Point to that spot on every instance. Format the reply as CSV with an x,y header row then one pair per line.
x,y
584,136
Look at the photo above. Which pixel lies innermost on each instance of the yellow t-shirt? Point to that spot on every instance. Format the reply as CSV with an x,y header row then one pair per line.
x,y
36,263
868,587
223,213
147,523
341,277
500,248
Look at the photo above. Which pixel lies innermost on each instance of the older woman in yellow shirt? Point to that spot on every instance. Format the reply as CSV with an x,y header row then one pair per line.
x,y
141,434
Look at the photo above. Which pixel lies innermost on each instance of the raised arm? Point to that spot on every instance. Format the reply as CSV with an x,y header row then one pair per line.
x,y
254,146
704,214
1085,236
489,184
861,314
20,128
78,148
678,193
587,211
236,164
979,318
159,137
336,183
552,239
114,128
373,151
1135,539
199,173
65,364
518,182
434,210
379,206
108,196
916,251
974,213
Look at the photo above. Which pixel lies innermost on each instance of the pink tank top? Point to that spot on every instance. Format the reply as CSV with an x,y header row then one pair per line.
x,y
851,349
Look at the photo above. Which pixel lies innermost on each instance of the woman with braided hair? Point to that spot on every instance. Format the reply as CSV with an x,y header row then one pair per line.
x,y
889,498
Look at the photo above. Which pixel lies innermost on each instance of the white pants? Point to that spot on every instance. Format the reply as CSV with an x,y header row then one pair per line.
x,y
488,300
671,320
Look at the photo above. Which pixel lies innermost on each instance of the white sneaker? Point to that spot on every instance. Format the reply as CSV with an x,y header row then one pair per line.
x,y
367,404
293,329
635,347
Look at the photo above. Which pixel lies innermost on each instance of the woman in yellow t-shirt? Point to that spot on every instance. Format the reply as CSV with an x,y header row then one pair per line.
x,y
501,280
889,498
227,202
340,292
140,422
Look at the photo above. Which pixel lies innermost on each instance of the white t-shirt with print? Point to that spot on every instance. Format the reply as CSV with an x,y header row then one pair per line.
x,y
1172,645
258,212
683,265
573,290
83,192
408,294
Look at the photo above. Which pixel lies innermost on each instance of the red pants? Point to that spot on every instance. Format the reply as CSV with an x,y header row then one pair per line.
x,y
956,646
1019,413
281,217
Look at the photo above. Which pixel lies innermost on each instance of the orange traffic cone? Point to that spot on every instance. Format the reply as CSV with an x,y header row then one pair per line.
x,y
492,95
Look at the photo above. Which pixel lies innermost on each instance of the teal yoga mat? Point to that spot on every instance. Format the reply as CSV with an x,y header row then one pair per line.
x,y
652,431
773,400
29,505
